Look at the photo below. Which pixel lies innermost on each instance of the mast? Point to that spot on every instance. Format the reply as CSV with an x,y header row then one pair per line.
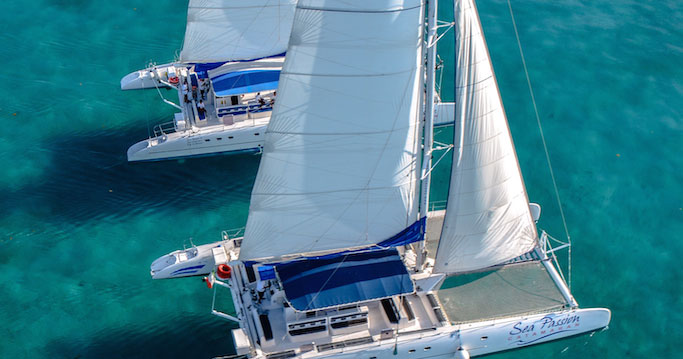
x,y
428,132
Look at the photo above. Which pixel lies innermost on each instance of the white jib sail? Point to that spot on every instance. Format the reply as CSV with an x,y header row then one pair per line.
x,y
487,217
340,162
228,30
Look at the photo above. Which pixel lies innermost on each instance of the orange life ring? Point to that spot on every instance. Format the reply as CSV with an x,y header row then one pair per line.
x,y
224,271
174,80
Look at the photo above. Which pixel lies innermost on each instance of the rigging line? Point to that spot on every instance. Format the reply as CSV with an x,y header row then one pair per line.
x,y
308,306
448,28
448,149
540,128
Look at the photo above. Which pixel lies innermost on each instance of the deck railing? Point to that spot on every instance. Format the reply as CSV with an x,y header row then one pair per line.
x,y
164,128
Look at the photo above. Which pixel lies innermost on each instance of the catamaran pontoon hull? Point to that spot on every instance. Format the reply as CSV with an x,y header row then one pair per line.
x,y
226,140
182,144
149,78
465,340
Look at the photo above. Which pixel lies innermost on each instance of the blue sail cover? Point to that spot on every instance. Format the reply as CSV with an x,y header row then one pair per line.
x,y
323,282
202,68
240,82
413,233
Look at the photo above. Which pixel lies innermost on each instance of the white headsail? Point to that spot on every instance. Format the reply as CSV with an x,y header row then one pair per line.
x,y
341,157
487,217
228,30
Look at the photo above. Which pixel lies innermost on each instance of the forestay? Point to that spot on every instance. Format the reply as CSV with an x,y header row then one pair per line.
x,y
340,160
487,217
229,30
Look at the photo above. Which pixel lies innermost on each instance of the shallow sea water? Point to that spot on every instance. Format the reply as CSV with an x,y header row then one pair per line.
x,y
79,226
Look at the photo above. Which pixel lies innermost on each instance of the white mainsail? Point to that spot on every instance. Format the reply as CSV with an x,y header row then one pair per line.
x,y
230,30
341,157
487,217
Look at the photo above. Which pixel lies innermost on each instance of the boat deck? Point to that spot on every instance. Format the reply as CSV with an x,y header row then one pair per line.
x,y
509,290
418,316
248,112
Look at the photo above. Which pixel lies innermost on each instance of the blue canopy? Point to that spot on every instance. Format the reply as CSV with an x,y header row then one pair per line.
x,y
322,282
239,82
202,69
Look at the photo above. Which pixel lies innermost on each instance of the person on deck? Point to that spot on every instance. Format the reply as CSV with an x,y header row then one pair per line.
x,y
203,88
200,107
259,99
185,91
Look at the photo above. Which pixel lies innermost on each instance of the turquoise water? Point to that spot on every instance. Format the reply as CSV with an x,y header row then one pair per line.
x,y
79,226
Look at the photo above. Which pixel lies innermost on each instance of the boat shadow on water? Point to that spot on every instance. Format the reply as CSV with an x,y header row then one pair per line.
x,y
88,178
193,338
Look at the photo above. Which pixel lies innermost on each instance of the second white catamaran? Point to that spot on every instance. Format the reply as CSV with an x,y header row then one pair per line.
x,y
225,78
226,81
340,257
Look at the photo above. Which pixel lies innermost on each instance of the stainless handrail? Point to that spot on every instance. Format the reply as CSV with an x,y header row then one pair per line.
x,y
164,128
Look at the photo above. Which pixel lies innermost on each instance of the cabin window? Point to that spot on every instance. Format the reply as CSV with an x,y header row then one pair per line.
x,y
207,140
390,310
308,330
219,138
411,351
348,323
230,137
256,134
428,348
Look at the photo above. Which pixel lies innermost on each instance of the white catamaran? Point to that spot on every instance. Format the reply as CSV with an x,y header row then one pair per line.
x,y
340,257
226,79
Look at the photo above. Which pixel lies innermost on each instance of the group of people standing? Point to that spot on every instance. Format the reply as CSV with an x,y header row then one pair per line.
x,y
262,101
200,92
189,95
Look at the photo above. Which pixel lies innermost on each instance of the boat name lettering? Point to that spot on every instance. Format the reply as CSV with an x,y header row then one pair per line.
x,y
547,322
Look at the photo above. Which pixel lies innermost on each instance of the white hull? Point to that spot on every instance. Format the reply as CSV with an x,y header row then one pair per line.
x,y
207,141
426,336
247,138
194,261
475,339
149,77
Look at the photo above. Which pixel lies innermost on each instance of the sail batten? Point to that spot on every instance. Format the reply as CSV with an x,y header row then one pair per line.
x,y
235,30
341,156
487,219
